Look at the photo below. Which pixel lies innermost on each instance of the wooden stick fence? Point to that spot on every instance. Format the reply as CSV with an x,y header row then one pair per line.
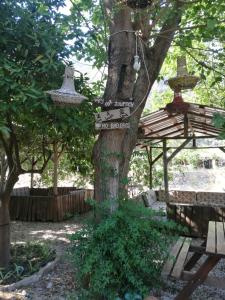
x,y
42,205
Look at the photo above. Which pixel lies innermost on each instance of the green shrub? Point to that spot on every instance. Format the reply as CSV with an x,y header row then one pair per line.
x,y
122,254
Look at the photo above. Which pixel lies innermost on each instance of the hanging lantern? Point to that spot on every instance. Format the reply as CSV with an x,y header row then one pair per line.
x,y
138,3
178,105
183,80
67,95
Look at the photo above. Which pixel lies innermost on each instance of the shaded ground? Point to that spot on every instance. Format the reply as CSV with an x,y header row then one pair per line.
x,y
59,283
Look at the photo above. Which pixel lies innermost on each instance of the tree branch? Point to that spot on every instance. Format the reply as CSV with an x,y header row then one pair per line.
x,y
38,171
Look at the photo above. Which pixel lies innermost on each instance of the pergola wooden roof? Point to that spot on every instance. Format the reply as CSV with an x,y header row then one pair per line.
x,y
197,122
161,126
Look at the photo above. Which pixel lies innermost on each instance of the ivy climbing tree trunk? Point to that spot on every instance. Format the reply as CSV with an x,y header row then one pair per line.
x,y
113,149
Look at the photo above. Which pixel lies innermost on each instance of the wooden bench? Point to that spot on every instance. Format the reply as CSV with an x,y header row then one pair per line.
x,y
174,266
178,266
215,239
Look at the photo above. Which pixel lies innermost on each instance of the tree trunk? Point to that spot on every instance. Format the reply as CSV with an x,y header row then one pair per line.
x,y
4,231
5,218
55,169
113,150
3,171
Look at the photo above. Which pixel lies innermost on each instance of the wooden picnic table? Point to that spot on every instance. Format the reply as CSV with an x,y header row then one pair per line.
x,y
179,266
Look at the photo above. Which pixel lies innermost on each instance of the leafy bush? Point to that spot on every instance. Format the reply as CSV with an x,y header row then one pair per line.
x,y
123,254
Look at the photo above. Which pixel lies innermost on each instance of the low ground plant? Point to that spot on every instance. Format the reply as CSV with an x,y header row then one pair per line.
x,y
121,257
26,259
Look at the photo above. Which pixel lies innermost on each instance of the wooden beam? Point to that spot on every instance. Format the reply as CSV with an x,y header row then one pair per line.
x,y
194,145
204,131
205,127
186,125
216,282
178,150
176,137
191,127
158,119
200,115
176,125
149,154
199,277
189,148
157,158
165,171
164,135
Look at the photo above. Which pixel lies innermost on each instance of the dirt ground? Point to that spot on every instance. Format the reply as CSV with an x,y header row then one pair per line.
x,y
60,283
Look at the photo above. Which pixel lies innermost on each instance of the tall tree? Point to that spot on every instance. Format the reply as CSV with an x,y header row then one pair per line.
x,y
155,27
32,47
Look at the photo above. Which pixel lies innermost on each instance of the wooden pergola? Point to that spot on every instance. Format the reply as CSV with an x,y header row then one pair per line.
x,y
157,128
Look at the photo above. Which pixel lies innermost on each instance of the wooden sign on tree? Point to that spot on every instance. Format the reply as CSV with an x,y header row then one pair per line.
x,y
112,114
112,125
115,104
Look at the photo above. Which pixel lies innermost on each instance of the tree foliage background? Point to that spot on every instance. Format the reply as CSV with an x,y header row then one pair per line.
x,y
34,49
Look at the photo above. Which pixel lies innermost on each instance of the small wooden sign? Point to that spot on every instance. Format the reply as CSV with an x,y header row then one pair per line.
x,y
112,125
112,104
112,114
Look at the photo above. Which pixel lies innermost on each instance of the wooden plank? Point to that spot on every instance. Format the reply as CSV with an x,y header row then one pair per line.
x,y
211,238
220,238
179,265
198,251
172,258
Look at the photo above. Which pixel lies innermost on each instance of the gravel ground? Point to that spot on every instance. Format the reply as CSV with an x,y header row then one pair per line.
x,y
60,282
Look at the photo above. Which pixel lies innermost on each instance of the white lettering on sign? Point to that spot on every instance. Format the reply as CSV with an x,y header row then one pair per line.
x,y
111,125
110,103
113,114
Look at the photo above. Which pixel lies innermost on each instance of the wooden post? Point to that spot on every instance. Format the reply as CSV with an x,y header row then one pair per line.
x,y
165,170
186,125
194,145
149,153
55,169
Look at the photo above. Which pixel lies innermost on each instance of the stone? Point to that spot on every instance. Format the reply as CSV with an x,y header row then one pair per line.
x,y
49,285
23,293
